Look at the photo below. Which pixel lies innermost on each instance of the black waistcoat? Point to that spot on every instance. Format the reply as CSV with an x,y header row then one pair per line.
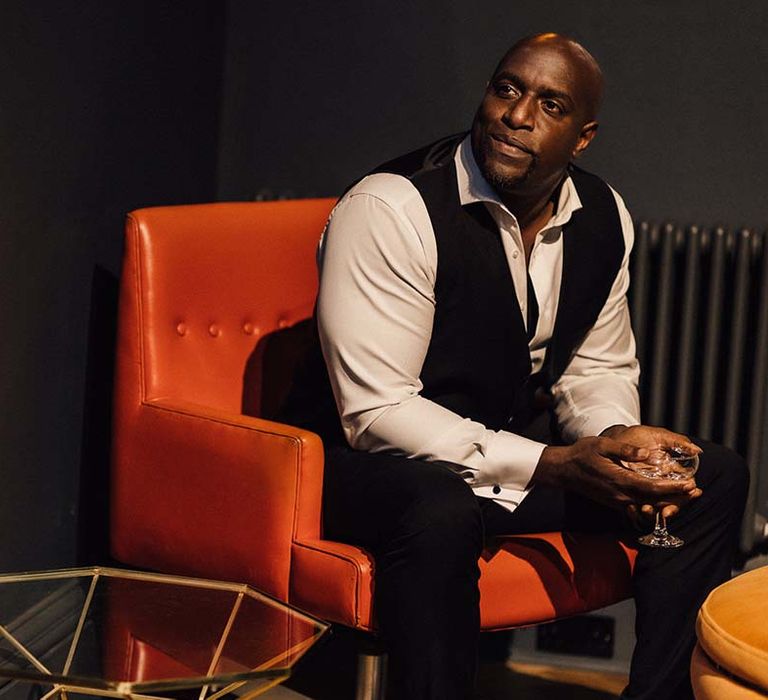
x,y
478,362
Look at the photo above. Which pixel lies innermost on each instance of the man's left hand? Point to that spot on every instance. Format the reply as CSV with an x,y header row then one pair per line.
x,y
653,437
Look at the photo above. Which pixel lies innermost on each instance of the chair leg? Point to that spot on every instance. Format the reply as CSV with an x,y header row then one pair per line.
x,y
371,676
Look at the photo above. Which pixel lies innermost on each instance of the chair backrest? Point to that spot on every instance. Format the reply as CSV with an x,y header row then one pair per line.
x,y
203,286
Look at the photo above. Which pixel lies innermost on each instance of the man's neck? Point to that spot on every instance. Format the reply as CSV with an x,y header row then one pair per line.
x,y
532,211
528,206
528,210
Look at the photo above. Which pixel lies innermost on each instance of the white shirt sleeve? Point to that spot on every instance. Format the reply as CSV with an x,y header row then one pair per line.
x,y
375,313
599,387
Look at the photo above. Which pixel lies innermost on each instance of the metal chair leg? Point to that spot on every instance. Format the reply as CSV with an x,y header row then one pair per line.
x,y
371,676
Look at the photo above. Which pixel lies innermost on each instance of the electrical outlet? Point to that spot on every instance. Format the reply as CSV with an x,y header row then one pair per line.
x,y
584,635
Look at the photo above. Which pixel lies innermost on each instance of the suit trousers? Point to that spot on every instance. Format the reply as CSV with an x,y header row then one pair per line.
x,y
426,529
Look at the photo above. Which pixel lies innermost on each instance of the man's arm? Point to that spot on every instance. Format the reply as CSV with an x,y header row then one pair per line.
x,y
598,388
375,314
597,405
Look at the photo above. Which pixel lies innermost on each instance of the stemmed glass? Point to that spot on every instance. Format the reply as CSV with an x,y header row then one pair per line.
x,y
674,464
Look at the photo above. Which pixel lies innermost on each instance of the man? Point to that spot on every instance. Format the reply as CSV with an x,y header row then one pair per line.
x,y
469,292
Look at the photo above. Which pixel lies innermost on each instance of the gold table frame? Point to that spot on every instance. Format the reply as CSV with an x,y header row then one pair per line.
x,y
249,608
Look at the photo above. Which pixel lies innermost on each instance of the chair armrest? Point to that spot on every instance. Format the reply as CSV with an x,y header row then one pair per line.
x,y
205,492
333,581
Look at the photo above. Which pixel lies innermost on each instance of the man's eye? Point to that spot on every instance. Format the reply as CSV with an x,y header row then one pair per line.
x,y
553,107
504,89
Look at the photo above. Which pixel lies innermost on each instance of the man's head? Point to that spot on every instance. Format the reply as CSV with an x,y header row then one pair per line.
x,y
538,113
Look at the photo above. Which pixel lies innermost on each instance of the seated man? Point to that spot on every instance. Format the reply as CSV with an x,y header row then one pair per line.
x,y
470,292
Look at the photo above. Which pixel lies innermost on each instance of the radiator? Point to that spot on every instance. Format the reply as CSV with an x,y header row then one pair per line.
x,y
699,306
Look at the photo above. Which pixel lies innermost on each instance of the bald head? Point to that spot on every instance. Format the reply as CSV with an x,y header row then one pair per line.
x,y
587,72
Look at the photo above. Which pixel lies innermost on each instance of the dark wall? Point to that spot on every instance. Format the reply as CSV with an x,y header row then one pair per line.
x,y
316,93
105,106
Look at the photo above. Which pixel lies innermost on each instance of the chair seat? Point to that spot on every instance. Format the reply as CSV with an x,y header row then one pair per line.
x,y
732,657
555,575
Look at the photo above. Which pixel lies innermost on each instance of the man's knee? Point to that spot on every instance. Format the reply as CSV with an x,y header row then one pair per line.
x,y
723,474
444,520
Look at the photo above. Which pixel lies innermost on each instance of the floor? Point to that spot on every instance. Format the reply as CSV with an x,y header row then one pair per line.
x,y
328,673
500,682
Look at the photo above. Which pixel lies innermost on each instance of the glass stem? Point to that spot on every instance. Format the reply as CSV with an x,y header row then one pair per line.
x,y
660,529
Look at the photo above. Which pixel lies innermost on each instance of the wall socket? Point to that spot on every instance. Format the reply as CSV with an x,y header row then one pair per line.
x,y
584,635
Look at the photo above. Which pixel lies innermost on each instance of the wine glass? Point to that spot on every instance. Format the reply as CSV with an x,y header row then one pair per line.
x,y
674,464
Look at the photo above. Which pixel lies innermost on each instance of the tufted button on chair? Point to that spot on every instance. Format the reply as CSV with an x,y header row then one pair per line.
x,y
213,300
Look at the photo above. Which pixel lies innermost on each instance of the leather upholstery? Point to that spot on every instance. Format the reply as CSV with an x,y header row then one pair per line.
x,y
200,488
732,654
160,633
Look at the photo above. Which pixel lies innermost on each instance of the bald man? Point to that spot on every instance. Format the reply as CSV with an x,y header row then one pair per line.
x,y
476,338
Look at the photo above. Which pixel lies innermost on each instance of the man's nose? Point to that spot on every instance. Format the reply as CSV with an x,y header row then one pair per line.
x,y
520,113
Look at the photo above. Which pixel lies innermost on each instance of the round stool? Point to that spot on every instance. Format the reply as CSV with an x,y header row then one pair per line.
x,y
730,661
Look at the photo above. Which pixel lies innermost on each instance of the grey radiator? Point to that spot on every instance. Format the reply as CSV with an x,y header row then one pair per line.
x,y
699,304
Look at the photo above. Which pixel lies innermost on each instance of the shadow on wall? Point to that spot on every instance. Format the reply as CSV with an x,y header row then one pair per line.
x,y
93,514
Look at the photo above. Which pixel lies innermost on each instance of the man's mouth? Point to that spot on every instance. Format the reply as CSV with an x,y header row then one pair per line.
x,y
510,146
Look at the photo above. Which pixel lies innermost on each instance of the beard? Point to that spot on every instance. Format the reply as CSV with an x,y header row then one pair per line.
x,y
498,177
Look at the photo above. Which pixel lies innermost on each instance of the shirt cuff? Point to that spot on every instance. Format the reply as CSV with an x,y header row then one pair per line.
x,y
598,420
509,461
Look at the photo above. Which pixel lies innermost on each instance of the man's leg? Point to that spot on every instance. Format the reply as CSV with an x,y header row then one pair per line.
x,y
421,522
669,585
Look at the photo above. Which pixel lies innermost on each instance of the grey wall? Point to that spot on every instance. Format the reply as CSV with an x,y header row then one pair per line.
x,y
316,93
105,106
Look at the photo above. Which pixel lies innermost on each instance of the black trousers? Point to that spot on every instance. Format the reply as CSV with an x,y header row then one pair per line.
x,y
426,529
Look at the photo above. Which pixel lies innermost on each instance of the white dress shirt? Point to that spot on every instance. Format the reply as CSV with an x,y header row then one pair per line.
x,y
378,265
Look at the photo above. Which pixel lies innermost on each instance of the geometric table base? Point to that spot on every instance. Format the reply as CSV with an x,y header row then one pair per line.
x,y
128,634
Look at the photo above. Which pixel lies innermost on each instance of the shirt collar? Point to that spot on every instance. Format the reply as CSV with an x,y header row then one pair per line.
x,y
473,187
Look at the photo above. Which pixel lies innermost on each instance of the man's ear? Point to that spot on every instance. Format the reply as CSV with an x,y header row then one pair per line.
x,y
588,132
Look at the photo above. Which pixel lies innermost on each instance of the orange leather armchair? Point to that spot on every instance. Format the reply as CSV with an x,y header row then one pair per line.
x,y
200,488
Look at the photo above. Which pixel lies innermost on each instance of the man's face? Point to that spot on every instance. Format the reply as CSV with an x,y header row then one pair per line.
x,y
534,119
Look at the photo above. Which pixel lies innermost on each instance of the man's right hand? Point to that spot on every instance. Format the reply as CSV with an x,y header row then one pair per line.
x,y
592,467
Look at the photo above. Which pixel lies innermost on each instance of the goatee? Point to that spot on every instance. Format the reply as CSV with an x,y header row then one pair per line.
x,y
496,178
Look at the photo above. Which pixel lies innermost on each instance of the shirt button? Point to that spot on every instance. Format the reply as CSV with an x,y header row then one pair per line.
x,y
515,254
496,489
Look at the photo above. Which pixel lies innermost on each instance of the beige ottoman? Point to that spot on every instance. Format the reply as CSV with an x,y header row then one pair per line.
x,y
730,661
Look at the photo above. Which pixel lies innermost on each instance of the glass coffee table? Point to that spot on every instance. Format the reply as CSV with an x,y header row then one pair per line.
x,y
115,633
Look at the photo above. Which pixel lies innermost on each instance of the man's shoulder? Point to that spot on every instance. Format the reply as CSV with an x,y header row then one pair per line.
x,y
593,187
585,178
392,182
389,189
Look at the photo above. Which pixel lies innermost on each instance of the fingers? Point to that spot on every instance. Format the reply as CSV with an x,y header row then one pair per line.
x,y
670,511
654,437
615,449
677,441
633,513
647,511
663,490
